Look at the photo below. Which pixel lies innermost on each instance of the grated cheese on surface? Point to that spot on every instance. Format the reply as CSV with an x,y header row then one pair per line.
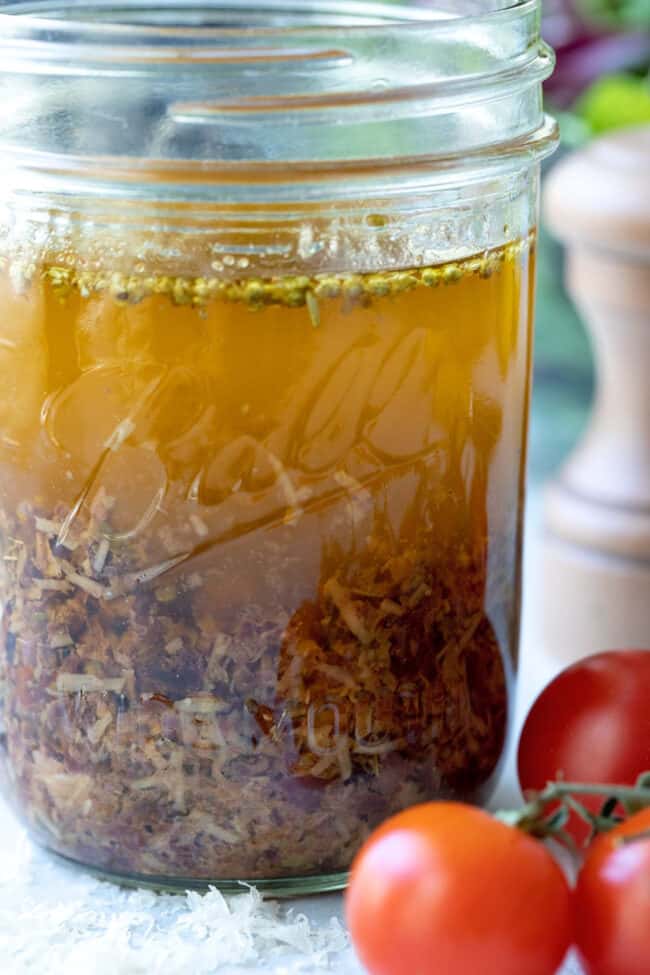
x,y
56,919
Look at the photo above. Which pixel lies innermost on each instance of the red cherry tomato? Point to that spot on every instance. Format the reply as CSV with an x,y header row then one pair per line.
x,y
445,889
612,901
591,724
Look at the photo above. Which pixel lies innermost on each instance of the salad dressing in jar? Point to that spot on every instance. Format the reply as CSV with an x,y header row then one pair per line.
x,y
264,362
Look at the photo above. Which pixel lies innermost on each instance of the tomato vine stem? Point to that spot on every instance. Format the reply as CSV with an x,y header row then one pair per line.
x,y
547,812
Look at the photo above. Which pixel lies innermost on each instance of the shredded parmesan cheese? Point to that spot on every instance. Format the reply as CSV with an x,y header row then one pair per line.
x,y
47,526
55,585
88,585
88,683
63,921
101,555
348,611
60,638
201,705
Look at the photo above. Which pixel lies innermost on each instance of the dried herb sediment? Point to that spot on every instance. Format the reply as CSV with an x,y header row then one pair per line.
x,y
256,610
264,748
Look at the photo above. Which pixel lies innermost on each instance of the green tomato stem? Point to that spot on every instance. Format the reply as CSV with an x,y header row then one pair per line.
x,y
542,818
562,790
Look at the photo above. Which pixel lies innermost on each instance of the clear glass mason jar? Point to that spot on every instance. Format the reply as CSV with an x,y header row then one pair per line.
x,y
266,280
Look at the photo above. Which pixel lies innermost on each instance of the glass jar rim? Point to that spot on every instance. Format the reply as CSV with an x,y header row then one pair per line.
x,y
89,15
289,87
44,30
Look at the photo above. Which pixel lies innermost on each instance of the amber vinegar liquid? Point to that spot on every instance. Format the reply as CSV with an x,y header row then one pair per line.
x,y
261,554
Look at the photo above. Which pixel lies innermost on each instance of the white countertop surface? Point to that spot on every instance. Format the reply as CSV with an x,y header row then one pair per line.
x,y
55,920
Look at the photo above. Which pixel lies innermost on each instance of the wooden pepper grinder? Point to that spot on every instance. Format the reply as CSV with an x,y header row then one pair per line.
x,y
597,515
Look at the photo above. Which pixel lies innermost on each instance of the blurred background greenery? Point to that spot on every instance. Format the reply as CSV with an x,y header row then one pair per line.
x,y
602,78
